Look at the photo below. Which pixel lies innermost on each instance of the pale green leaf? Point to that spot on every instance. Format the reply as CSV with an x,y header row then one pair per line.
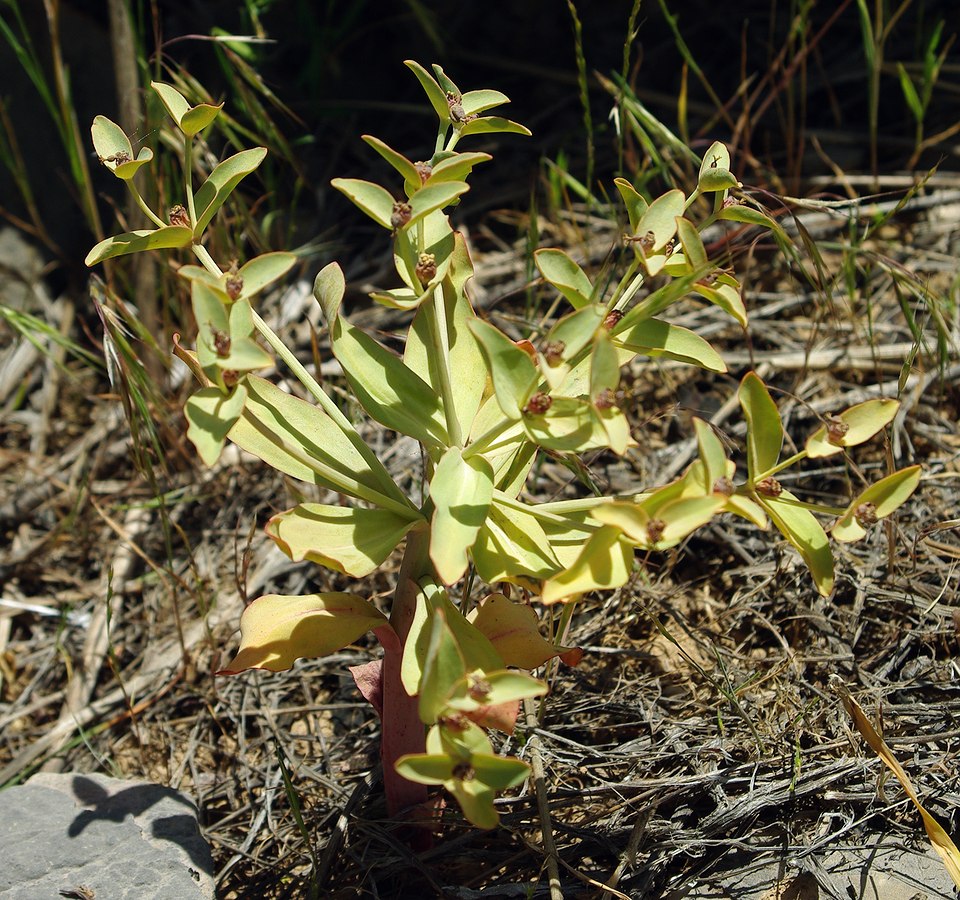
x,y
434,196
512,546
725,293
764,428
655,337
376,201
210,415
461,490
175,103
442,667
750,216
635,203
435,93
693,250
399,162
349,540
302,441
604,563
513,372
660,220
877,502
474,102
798,525
456,167
853,426
493,125
513,629
223,179
565,275
198,117
275,629
166,238
262,271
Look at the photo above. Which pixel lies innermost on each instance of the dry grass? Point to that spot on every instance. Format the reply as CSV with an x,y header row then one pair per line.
x,y
697,740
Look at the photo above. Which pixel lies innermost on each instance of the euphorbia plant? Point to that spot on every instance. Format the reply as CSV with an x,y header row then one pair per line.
x,y
483,406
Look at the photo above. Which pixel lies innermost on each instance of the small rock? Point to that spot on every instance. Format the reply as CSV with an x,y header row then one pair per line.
x,y
117,840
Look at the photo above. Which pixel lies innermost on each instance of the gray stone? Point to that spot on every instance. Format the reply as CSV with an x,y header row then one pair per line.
x,y
122,840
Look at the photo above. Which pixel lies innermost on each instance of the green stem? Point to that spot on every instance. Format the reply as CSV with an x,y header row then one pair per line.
x,y
780,466
188,178
632,289
506,428
553,518
441,342
149,213
312,387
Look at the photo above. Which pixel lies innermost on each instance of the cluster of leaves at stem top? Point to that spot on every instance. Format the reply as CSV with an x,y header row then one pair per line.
x,y
482,405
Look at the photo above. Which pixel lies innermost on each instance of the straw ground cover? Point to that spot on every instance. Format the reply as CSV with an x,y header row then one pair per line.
x,y
698,736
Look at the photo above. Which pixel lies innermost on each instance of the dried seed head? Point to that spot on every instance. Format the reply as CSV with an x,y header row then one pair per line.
x,y
426,268
553,352
723,485
234,286
456,722
866,515
769,487
400,215
478,688
606,399
179,215
612,319
118,158
538,404
424,170
464,772
645,241
457,113
655,529
221,343
836,430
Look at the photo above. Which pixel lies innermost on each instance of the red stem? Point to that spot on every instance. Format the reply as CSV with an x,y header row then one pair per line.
x,y
402,730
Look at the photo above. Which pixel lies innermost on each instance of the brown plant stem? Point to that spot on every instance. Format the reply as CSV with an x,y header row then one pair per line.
x,y
402,730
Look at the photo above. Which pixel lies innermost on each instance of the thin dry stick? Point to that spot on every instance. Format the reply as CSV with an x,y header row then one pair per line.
x,y
543,806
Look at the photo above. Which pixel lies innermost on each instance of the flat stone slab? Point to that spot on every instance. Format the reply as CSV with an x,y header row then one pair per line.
x,y
121,840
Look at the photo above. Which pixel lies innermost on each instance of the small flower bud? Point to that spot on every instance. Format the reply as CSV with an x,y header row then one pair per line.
x,y
866,515
723,485
606,399
538,404
179,215
426,268
655,529
400,215
668,249
769,487
553,352
478,688
464,772
612,319
424,170
836,430
730,201
230,377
